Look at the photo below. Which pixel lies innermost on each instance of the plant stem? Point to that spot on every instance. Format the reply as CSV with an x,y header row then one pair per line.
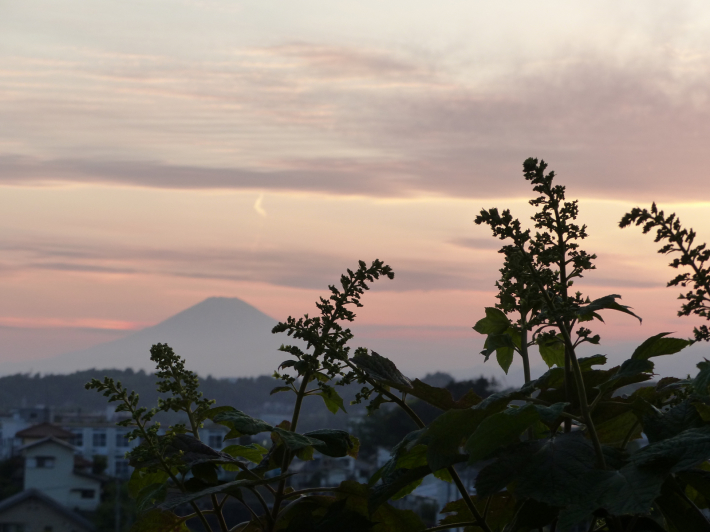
x,y
165,466
286,458
218,512
576,370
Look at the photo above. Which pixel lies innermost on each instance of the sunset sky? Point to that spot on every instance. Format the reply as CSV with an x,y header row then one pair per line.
x,y
157,152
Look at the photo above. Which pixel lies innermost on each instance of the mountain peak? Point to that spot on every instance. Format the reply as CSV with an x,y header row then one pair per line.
x,y
221,336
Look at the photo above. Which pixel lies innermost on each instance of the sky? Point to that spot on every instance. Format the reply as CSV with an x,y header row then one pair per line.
x,y
154,153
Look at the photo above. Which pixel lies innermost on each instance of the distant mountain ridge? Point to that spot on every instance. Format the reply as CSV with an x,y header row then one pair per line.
x,y
221,336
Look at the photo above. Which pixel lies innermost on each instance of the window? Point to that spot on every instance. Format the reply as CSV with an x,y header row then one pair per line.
x,y
215,441
121,439
79,438
44,462
99,439
122,470
85,494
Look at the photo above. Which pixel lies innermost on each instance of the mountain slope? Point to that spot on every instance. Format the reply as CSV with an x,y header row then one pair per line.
x,y
223,337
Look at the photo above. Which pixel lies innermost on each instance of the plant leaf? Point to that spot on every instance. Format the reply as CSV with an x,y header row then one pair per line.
x,y
589,311
495,322
658,345
499,430
241,424
553,352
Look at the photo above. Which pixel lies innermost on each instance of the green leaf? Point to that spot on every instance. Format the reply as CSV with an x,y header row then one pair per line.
x,y
151,495
500,511
658,425
683,451
241,424
545,470
553,352
680,514
658,345
629,490
332,400
380,368
445,435
441,397
550,415
294,441
157,520
252,452
331,442
140,480
613,431
499,430
504,356
630,372
589,311
396,482
387,518
495,322
280,389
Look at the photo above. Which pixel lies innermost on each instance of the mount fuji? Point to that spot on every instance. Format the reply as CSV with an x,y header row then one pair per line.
x,y
222,337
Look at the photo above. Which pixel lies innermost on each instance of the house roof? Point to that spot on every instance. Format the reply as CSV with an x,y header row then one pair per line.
x,y
45,430
44,441
54,505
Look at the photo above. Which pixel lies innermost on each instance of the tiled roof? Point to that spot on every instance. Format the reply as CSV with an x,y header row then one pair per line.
x,y
45,430
36,494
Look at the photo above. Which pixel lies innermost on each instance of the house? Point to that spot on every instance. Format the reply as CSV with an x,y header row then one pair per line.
x,y
50,467
42,431
33,511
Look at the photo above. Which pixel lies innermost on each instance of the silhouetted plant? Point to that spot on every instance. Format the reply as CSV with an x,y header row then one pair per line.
x,y
552,455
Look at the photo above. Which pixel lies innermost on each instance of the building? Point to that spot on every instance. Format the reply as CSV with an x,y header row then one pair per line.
x,y
52,468
33,511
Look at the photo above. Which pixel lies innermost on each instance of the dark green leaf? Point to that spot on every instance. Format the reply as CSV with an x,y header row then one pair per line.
x,y
252,452
631,371
678,453
501,509
332,400
141,479
241,424
380,368
607,302
294,441
499,430
550,415
151,495
658,345
553,353
546,470
280,389
495,322
336,443
629,490
680,514
659,425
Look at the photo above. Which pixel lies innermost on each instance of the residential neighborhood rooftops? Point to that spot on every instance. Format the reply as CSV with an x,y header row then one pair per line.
x,y
15,502
44,430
